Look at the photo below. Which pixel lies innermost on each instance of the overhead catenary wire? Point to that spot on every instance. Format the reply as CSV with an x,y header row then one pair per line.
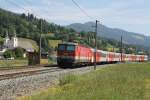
x,y
31,9
26,10
13,3
82,10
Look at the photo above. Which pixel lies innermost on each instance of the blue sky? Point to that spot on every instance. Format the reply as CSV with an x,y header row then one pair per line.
x,y
130,15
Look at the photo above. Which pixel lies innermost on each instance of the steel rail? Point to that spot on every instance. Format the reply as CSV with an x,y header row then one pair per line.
x,y
28,73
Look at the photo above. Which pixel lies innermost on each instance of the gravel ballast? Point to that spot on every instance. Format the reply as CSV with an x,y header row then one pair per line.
x,y
27,85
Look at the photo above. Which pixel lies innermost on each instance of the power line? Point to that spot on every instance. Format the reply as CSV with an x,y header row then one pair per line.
x,y
31,9
96,26
82,10
13,3
26,10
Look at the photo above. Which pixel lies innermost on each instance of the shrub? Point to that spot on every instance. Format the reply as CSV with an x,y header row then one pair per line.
x,y
9,54
19,52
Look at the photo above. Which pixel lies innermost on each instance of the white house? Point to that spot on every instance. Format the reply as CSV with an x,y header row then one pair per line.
x,y
14,42
11,43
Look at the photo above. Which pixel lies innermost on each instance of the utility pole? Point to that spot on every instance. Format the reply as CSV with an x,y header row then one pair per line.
x,y
136,49
40,43
95,44
121,48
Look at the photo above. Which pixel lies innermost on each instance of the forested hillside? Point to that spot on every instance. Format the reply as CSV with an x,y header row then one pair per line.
x,y
28,26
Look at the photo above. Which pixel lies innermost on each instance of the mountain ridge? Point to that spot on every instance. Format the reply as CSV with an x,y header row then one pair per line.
x,y
113,33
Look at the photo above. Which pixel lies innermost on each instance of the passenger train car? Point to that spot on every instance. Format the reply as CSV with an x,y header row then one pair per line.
x,y
73,53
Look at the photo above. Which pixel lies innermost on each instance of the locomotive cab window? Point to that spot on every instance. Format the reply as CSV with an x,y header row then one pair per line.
x,y
61,47
70,48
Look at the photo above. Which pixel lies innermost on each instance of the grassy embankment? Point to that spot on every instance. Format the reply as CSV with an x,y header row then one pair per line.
x,y
118,82
9,64
13,63
23,43
26,43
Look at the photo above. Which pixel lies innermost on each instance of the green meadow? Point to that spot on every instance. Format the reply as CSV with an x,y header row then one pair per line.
x,y
13,63
129,81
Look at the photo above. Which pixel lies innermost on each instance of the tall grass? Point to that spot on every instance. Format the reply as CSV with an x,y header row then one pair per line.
x,y
13,63
67,79
118,82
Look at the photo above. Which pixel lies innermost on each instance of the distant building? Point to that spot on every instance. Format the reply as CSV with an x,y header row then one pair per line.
x,y
14,42
11,43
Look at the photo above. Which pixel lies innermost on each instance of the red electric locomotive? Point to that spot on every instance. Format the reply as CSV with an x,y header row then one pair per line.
x,y
70,54
73,53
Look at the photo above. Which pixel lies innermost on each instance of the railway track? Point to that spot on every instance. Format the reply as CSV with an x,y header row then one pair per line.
x,y
28,71
25,67
23,73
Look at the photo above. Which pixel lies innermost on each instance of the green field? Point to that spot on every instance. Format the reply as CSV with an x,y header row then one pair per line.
x,y
129,81
28,43
12,63
54,43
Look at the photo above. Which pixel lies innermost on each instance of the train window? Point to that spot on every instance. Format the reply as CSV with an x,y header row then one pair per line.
x,y
61,47
103,54
70,48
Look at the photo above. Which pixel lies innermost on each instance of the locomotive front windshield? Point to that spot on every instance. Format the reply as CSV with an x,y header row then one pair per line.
x,y
70,48
63,47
